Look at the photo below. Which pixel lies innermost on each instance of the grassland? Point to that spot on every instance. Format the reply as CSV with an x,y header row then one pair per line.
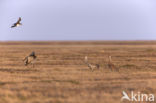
x,y
60,75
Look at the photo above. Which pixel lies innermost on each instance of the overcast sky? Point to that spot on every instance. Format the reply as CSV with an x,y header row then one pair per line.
x,y
78,19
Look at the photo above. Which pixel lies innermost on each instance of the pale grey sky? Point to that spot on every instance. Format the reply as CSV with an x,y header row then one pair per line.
x,y
78,19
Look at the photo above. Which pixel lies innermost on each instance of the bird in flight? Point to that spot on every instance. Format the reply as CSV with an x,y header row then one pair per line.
x,y
17,23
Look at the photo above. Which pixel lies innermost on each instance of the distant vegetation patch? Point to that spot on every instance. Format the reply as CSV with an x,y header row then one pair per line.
x,y
69,81
149,50
129,66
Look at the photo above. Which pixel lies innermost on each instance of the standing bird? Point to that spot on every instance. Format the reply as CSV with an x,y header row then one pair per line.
x,y
91,66
30,59
17,23
111,65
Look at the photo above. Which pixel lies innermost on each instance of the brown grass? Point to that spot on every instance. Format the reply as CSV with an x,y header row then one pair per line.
x,y
60,75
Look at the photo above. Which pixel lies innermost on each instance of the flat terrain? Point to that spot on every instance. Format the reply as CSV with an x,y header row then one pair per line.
x,y
61,76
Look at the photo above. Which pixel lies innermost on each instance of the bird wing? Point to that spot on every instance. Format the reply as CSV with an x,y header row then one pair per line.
x,y
32,54
13,26
25,58
19,20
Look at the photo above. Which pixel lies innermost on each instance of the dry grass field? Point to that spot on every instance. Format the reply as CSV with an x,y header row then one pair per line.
x,y
61,76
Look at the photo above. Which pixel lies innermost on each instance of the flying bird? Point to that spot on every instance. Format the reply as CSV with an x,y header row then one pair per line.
x,y
30,59
17,23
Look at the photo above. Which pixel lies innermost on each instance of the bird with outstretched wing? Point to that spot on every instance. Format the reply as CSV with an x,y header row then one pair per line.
x,y
17,23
